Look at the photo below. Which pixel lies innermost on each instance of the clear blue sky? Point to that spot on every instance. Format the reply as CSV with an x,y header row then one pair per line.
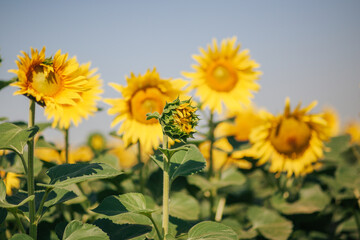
x,y
308,50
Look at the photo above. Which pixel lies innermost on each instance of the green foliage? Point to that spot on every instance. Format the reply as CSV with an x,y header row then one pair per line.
x,y
4,203
311,199
4,84
121,231
211,231
184,206
67,174
269,223
129,202
77,230
15,138
21,236
184,161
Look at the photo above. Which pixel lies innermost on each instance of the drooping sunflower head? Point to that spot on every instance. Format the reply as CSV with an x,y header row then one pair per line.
x,y
143,94
224,74
292,142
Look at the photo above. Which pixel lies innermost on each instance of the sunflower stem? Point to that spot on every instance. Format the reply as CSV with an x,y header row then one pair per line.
x,y
166,189
66,145
211,165
30,174
141,172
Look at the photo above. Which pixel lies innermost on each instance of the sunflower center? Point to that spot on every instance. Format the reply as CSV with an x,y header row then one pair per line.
x,y
45,80
147,101
222,76
291,137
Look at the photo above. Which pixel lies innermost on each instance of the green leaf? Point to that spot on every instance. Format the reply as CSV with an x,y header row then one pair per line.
x,y
200,181
121,231
43,126
312,199
235,225
6,83
66,174
77,230
186,161
269,223
4,203
211,231
335,147
21,236
230,177
184,206
3,214
109,159
14,137
128,202
348,175
42,143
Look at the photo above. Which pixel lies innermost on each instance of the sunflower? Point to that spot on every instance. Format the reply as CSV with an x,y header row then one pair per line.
x,y
291,142
68,91
353,129
332,118
143,94
220,152
97,142
83,107
244,121
224,75
11,181
127,156
80,154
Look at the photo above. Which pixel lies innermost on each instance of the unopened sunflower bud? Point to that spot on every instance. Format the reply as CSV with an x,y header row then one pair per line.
x,y
178,119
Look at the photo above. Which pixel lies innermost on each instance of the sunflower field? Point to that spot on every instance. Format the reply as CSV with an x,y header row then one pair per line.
x,y
190,158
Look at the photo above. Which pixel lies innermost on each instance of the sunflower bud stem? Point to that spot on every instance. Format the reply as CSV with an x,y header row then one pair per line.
x,y
166,189
66,145
30,174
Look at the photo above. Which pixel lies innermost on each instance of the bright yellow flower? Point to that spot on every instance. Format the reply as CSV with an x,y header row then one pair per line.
x,y
332,118
11,181
48,155
353,129
83,107
143,94
80,154
221,148
224,75
127,156
245,120
68,91
291,142
97,141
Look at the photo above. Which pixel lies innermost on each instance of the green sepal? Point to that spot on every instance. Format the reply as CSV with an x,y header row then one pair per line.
x,y
155,115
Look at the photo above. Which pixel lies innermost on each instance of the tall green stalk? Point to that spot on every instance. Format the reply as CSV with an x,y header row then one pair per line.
x,y
166,189
66,145
30,173
211,165
141,171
